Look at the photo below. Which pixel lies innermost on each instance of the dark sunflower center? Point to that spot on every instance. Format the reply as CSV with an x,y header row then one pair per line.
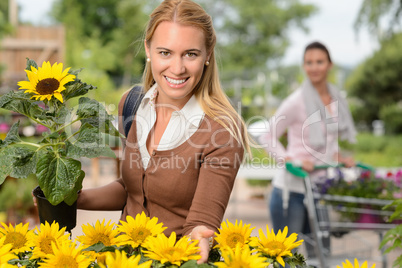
x,y
47,86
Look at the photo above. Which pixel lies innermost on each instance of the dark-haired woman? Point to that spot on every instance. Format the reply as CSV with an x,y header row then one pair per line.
x,y
314,116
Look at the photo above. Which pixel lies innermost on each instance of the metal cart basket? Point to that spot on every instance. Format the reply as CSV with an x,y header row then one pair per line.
x,y
327,219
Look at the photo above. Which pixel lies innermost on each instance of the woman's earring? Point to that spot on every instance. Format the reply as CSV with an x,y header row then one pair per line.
x,y
207,63
148,60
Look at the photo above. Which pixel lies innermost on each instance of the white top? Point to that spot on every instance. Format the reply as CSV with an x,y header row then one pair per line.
x,y
183,123
291,117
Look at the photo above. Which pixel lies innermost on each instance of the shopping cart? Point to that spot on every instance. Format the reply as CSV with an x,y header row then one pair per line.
x,y
326,216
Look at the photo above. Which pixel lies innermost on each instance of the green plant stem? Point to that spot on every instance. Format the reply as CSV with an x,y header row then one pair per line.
x,y
69,124
39,122
72,135
30,144
49,144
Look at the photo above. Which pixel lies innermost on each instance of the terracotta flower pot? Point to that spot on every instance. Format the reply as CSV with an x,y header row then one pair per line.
x,y
62,213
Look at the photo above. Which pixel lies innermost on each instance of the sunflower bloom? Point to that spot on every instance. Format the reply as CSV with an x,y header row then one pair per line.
x,y
119,259
17,236
276,246
66,255
47,81
164,249
348,264
230,235
5,253
134,232
43,237
241,257
100,233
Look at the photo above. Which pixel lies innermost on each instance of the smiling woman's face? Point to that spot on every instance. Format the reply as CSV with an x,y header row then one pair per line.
x,y
178,55
316,65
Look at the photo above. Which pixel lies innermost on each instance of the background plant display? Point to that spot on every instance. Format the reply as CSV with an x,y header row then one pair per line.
x,y
73,132
140,242
369,185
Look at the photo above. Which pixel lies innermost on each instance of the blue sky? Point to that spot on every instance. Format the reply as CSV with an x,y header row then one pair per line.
x,y
332,25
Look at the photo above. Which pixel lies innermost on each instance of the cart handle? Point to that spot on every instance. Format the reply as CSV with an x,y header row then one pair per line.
x,y
299,172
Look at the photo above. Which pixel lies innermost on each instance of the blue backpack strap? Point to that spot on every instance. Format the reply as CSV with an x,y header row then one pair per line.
x,y
130,107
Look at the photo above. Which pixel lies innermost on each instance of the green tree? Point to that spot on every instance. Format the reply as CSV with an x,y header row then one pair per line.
x,y
5,26
373,12
101,34
377,82
3,17
250,34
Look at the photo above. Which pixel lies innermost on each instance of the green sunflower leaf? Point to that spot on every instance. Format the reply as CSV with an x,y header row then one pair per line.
x,y
62,116
95,114
88,143
31,63
89,108
58,177
100,247
70,199
190,264
23,162
5,167
12,136
19,103
76,88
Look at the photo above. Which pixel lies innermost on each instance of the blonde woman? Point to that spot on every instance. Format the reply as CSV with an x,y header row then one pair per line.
x,y
186,142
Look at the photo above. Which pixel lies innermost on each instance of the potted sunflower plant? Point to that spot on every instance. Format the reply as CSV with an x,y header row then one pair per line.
x,y
73,133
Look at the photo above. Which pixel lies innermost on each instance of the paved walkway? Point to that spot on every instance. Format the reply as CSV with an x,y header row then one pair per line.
x,y
363,244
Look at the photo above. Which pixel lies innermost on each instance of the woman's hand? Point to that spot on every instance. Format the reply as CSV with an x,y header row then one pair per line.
x,y
34,199
348,161
307,165
203,235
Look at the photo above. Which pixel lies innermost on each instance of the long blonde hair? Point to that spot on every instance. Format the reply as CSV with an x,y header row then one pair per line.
x,y
208,91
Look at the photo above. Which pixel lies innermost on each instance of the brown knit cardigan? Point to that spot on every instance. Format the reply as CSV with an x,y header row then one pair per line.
x,y
186,186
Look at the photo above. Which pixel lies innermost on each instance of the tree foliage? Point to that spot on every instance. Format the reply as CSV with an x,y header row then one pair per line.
x,y
251,34
5,27
377,82
373,12
108,33
100,34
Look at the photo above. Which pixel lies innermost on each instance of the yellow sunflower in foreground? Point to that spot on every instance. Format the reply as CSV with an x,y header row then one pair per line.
x,y
119,260
47,81
136,231
230,235
5,253
100,233
17,236
348,264
66,255
241,257
43,237
276,246
165,249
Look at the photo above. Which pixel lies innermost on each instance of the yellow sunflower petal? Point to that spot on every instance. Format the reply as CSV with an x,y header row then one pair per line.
x,y
45,71
57,70
280,260
26,85
58,96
